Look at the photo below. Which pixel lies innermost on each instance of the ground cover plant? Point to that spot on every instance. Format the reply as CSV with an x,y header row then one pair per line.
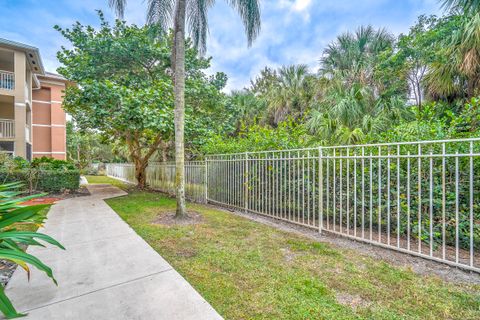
x,y
17,230
247,270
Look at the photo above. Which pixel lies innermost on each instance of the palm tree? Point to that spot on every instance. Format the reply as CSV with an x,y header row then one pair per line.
x,y
347,115
246,108
194,14
354,54
291,94
470,6
458,74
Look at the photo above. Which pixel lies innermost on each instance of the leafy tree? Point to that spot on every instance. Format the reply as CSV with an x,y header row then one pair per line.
x,y
287,135
195,15
264,82
87,146
416,51
125,89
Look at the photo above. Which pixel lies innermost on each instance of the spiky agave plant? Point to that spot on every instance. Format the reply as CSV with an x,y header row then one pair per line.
x,y
12,214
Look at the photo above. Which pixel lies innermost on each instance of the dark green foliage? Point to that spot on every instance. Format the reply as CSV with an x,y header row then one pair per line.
x,y
287,135
42,174
47,180
57,181
47,163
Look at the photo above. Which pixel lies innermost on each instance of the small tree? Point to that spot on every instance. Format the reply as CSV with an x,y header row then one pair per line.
x,y
194,16
125,88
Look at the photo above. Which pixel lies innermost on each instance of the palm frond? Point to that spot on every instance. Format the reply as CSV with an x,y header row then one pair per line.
x,y
197,21
249,11
470,6
119,7
161,12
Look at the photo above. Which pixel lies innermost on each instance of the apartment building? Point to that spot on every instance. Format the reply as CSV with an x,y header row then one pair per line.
x,y
32,121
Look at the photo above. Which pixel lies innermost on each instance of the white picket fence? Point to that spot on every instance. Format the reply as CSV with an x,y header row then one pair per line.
x,y
161,176
421,198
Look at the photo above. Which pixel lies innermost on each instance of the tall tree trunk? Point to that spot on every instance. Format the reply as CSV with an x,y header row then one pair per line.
x,y
419,94
140,173
179,77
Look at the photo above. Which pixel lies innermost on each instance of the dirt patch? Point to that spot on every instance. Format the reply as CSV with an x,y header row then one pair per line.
x,y
353,301
186,253
288,255
169,219
416,264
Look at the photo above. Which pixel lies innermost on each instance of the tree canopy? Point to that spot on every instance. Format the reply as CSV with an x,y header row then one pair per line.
x,y
124,87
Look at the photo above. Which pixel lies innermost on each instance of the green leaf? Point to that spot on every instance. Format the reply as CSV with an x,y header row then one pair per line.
x,y
20,214
6,306
23,258
25,236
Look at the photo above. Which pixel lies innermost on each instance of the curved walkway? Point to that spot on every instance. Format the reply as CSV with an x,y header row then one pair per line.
x,y
107,271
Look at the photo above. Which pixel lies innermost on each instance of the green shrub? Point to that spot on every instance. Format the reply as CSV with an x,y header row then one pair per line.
x,y
44,180
20,163
55,181
52,164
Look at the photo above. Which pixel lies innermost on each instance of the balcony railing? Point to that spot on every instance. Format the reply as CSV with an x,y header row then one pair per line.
x,y
7,129
7,80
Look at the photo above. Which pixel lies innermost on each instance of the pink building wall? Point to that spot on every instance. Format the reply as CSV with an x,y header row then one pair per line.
x,y
49,119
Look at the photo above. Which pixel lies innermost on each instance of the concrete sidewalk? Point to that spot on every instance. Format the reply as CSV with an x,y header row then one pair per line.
x,y
107,271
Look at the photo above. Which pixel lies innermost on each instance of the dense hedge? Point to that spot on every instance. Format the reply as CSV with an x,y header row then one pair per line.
x,y
44,180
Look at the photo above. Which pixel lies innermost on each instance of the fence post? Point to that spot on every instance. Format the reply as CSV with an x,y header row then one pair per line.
x,y
206,180
245,189
320,189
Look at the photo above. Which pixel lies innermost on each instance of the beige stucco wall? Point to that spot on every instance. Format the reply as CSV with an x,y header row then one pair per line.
x,y
7,110
20,105
6,60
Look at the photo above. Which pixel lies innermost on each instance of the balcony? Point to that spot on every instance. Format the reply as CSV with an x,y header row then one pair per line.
x,y
7,129
7,80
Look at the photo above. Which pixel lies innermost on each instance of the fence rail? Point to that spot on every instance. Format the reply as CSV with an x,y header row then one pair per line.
x,y
422,198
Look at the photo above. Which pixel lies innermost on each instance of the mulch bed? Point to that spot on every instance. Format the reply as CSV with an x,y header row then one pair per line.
x,y
42,200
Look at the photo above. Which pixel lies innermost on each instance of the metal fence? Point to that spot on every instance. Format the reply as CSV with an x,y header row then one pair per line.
x,y
422,198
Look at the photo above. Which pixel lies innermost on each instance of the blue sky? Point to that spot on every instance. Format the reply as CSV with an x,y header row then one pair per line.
x,y
293,31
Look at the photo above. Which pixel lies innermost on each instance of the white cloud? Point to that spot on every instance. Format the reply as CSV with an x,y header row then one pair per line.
x,y
301,5
293,31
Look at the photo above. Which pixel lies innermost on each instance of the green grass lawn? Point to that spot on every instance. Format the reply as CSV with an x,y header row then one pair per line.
x,y
105,179
247,270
